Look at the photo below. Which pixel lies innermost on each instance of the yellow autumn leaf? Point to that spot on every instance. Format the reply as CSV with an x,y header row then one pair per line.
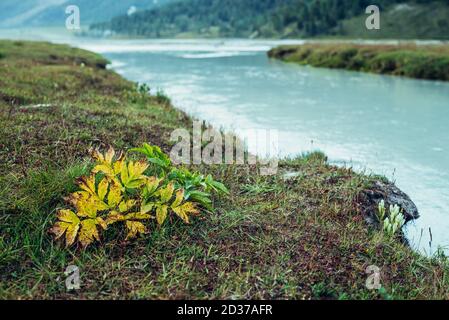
x,y
161,214
103,188
125,206
138,216
135,183
179,198
86,204
88,184
148,207
101,223
124,174
136,169
109,155
135,228
115,194
106,164
87,208
118,164
167,193
75,197
152,183
114,217
104,168
68,223
82,199
132,174
88,232
185,210
96,155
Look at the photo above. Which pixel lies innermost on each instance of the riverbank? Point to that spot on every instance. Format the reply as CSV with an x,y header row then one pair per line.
x,y
421,62
299,236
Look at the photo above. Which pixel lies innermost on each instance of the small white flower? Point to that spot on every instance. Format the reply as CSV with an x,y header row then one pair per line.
x,y
394,222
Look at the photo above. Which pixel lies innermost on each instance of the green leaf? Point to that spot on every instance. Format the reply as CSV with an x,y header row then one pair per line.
x,y
167,193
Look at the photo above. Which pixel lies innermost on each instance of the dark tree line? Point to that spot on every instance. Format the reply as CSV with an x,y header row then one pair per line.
x,y
244,18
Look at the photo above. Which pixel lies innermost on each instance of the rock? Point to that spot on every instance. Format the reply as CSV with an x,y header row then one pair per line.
x,y
391,194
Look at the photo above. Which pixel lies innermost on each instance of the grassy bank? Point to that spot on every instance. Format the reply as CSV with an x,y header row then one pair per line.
x,y
275,238
422,62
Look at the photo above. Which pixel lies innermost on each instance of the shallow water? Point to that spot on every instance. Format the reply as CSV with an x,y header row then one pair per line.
x,y
381,124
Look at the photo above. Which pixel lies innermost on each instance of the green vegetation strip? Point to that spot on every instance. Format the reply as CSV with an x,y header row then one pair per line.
x,y
422,62
400,19
271,237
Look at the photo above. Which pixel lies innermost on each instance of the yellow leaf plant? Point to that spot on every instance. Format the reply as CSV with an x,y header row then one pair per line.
x,y
119,192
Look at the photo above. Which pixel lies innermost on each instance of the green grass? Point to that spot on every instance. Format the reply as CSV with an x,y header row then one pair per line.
x,y
422,62
275,238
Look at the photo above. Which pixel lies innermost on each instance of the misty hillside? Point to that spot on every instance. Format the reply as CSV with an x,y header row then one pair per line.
x,y
279,19
29,13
